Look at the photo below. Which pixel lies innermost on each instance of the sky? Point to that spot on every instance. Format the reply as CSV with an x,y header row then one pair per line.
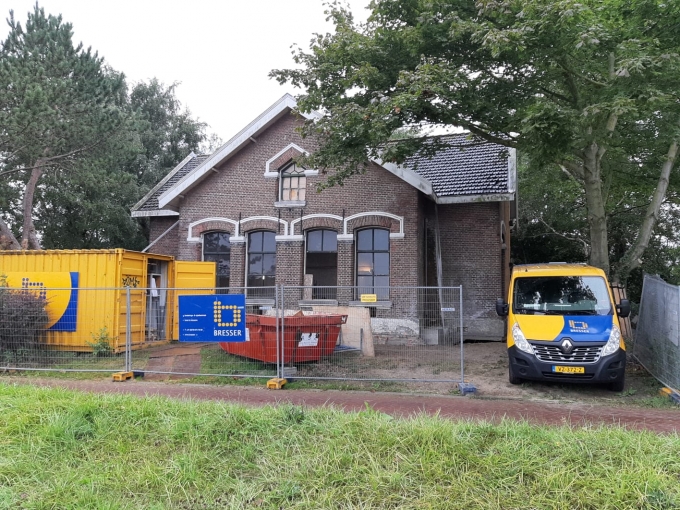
x,y
220,52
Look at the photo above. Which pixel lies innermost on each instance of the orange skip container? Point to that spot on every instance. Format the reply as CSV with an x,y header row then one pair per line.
x,y
305,337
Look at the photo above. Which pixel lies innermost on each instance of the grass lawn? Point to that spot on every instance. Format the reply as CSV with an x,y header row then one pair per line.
x,y
63,449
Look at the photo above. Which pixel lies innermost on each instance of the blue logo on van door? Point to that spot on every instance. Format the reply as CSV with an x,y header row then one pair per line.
x,y
590,328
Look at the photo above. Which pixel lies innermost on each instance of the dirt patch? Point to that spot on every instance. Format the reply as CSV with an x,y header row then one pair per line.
x,y
422,369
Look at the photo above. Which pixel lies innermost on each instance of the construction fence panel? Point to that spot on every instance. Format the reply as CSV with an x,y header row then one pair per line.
x,y
657,336
390,334
50,329
163,357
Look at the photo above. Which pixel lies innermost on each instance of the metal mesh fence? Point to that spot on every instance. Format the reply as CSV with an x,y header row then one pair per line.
x,y
407,334
657,336
41,329
163,358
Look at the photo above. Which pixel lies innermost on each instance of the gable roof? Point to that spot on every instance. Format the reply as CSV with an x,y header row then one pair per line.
x,y
148,206
469,170
283,106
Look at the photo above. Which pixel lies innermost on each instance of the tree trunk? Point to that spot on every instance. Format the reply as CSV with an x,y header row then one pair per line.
x,y
7,239
597,219
631,259
29,237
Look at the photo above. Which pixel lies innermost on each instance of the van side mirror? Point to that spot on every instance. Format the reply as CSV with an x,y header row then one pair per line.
x,y
501,307
623,308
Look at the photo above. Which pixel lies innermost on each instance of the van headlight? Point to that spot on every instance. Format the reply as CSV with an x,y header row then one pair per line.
x,y
613,343
520,340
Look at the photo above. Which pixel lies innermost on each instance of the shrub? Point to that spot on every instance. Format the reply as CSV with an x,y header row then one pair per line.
x,y
101,343
23,320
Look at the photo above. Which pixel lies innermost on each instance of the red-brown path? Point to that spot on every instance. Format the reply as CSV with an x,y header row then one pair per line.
x,y
396,404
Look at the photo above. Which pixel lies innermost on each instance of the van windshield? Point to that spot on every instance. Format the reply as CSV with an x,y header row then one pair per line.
x,y
561,295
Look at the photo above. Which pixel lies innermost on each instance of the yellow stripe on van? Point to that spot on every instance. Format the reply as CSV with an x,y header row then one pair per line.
x,y
540,327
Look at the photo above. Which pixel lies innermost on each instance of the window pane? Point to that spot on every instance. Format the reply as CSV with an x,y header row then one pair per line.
x,y
223,267
255,264
381,240
381,286
254,281
255,244
285,196
269,242
225,246
269,264
301,193
286,182
365,240
365,284
294,194
381,264
210,242
364,263
314,239
330,241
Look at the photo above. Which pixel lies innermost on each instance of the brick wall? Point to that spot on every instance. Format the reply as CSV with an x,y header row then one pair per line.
x,y
472,257
239,188
169,243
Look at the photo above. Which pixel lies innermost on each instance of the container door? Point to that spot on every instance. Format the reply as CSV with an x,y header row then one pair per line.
x,y
190,278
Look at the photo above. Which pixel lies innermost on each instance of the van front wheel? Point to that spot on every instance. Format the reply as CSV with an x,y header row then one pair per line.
x,y
618,384
512,376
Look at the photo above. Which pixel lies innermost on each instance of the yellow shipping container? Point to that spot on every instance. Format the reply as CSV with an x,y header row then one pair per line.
x,y
85,293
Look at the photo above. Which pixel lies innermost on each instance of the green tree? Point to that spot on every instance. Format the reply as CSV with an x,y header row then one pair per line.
x,y
589,87
59,104
77,147
168,133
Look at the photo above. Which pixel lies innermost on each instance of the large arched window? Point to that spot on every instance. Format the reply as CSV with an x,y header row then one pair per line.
x,y
373,262
216,248
321,262
261,263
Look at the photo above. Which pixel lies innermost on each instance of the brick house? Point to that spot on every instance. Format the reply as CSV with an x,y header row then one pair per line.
x,y
253,210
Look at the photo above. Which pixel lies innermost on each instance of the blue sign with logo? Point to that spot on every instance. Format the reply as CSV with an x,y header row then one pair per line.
x,y
214,318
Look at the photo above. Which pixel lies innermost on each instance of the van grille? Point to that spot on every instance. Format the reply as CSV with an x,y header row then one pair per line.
x,y
553,353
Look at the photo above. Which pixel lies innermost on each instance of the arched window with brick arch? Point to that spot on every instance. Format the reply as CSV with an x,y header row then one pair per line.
x,y
373,262
261,263
321,261
216,248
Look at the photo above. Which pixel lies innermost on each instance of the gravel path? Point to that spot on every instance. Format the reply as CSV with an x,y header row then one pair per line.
x,y
396,404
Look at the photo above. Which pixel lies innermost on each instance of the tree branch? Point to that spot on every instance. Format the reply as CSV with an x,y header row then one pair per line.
x,y
580,76
46,161
632,257
572,169
7,239
555,232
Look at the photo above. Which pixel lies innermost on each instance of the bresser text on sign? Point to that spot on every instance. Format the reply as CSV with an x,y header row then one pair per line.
x,y
369,298
212,318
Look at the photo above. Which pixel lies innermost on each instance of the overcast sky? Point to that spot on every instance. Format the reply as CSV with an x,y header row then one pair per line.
x,y
220,51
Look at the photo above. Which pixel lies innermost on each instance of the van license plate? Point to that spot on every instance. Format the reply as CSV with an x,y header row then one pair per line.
x,y
569,370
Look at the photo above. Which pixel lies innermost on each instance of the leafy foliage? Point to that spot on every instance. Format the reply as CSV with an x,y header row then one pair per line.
x,y
590,87
23,320
77,148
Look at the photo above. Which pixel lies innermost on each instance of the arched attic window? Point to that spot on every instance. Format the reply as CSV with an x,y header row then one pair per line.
x,y
292,184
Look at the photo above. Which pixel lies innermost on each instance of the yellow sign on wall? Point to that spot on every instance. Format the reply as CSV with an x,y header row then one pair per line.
x,y
369,298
